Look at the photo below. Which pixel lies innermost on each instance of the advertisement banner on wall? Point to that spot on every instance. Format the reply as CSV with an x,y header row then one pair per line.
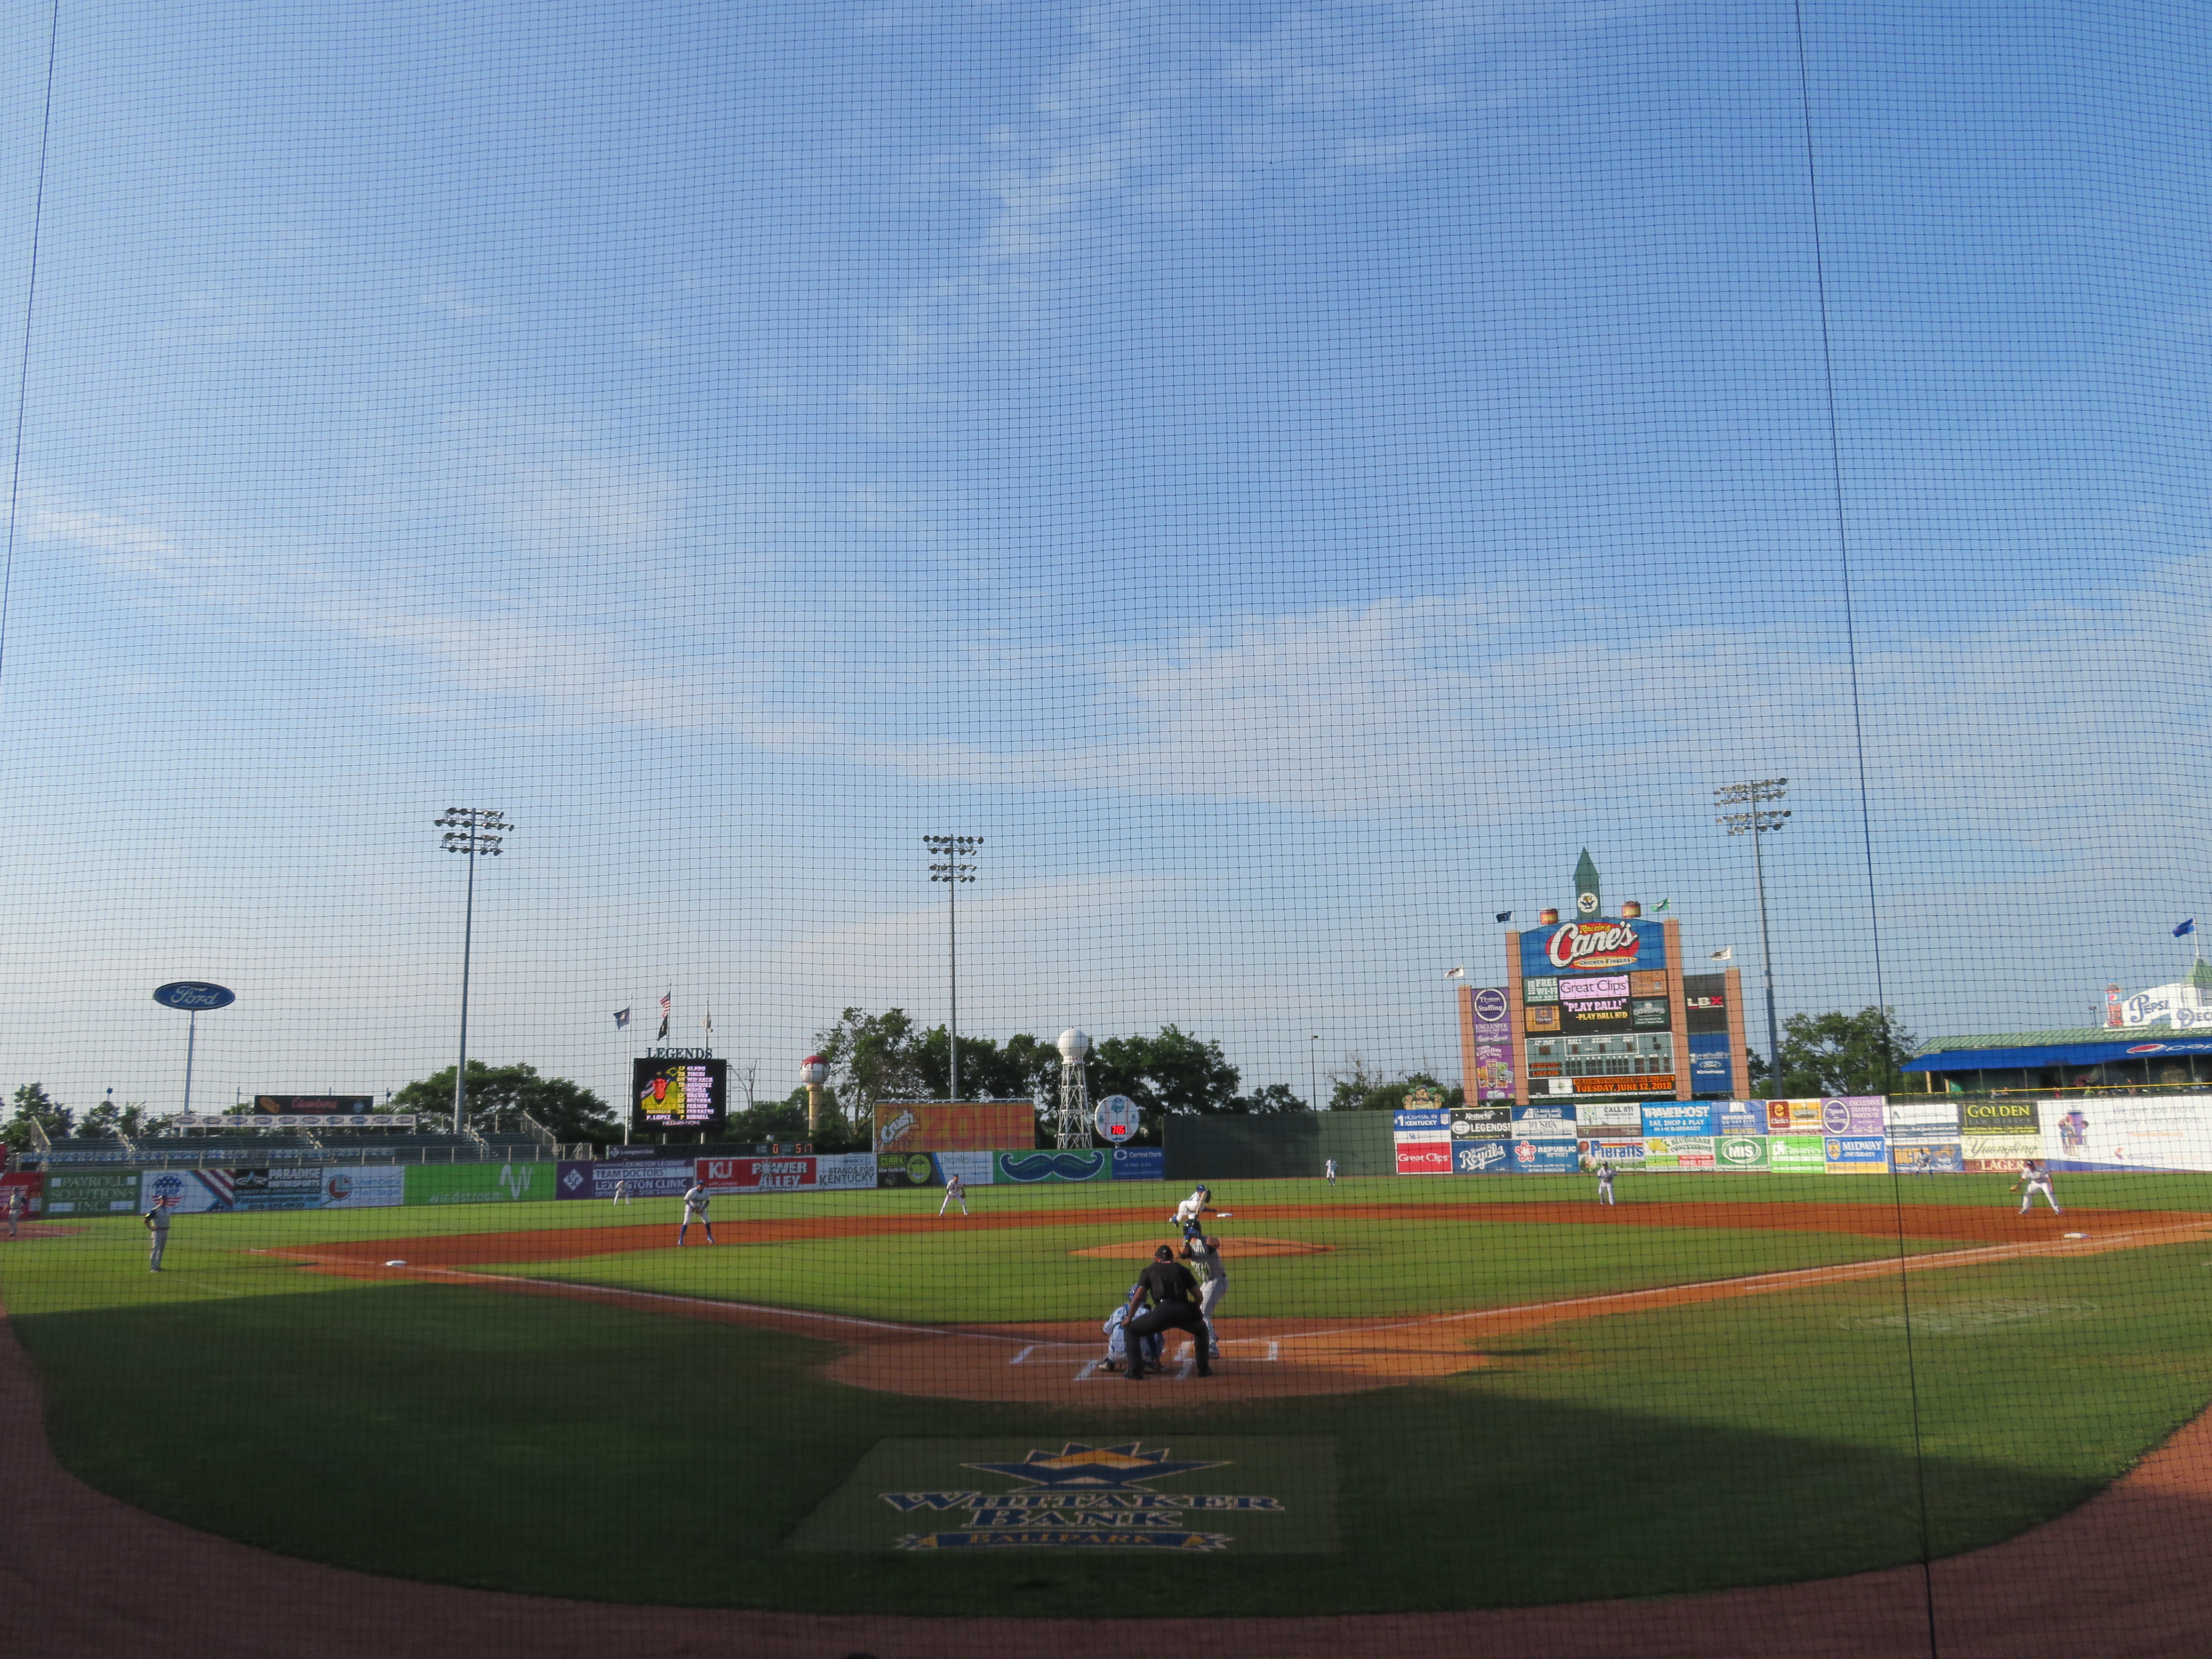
x,y
1745,1153
958,1126
1494,1046
1927,1157
1610,1120
1425,1156
185,1192
1629,1154
73,1192
482,1183
1710,1069
845,1172
1796,1154
1934,1122
277,1189
1553,1122
1739,1117
1140,1164
2001,1117
1673,1119
638,1178
1490,1157
1856,1155
1997,1154
2170,1132
1029,1168
755,1175
1794,1117
1853,1115
1547,1156
935,1169
1680,1153
1482,1123
364,1186
1421,1126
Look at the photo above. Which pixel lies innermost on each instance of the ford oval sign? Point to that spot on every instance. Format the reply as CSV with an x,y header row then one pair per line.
x,y
195,995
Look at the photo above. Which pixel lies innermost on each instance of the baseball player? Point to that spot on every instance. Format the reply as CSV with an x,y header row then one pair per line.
x,y
694,1209
1174,1303
622,1191
956,1192
2033,1179
1206,1254
1117,1343
1605,1183
15,1208
1187,1213
157,1224
1329,1171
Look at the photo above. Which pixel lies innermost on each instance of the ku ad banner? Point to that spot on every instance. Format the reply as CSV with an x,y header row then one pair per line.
x,y
956,1126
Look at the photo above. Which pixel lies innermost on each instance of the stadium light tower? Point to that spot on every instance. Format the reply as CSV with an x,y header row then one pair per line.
x,y
1757,823
955,855
474,832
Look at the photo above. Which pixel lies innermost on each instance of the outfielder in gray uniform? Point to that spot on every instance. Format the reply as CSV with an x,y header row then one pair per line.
x,y
157,1224
1205,1255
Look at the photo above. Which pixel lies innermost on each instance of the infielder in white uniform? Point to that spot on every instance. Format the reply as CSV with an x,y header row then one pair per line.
x,y
1605,1184
622,1191
15,1209
1204,1254
157,1224
694,1209
2033,1179
956,1192
1328,1172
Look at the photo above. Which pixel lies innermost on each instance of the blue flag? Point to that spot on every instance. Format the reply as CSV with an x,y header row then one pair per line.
x,y
1504,915
2188,926
622,1019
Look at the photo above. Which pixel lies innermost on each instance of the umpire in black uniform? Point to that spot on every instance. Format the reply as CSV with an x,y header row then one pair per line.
x,y
1174,1293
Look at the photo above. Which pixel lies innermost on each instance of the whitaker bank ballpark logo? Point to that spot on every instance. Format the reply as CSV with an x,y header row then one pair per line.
x,y
1587,946
1081,1498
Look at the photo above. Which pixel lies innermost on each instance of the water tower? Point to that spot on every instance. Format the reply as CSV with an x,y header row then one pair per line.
x,y
1074,1124
814,1072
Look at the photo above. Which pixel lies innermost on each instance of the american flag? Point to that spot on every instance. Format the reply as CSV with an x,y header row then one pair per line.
x,y
668,1002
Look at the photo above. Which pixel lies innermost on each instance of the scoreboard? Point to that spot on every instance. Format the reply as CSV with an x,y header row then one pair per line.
x,y
678,1094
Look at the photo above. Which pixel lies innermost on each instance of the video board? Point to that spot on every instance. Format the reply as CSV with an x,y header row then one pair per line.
x,y
678,1095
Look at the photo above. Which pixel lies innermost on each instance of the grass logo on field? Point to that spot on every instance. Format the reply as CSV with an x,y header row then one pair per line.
x,y
1081,1497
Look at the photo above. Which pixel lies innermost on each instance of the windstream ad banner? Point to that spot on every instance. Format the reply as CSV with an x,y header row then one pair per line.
x,y
482,1183
2134,1133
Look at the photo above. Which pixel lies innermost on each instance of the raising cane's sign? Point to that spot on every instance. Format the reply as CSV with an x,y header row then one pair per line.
x,y
1593,946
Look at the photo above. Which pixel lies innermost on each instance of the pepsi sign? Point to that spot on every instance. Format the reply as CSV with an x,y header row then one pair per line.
x,y
194,996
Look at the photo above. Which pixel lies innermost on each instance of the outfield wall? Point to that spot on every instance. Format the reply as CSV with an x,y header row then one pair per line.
x,y
1284,1145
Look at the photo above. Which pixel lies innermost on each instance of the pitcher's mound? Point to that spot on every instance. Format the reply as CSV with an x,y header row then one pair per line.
x,y
1235,1245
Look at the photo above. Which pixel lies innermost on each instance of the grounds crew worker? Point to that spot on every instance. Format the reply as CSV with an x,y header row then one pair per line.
x,y
1174,1303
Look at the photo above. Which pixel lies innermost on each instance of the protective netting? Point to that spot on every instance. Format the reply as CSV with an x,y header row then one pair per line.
x,y
1548,658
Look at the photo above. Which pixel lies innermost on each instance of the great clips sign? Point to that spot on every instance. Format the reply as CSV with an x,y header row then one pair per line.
x,y
1593,947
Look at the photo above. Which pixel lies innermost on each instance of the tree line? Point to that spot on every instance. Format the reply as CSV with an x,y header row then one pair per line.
x,y
892,1056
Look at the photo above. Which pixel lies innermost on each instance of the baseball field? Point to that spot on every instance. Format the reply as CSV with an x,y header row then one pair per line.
x,y
1434,1395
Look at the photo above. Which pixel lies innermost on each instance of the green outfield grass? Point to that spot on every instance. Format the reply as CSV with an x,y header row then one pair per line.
x,y
560,1448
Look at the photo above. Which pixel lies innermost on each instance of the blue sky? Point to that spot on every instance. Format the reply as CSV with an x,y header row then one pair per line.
x,y
1288,476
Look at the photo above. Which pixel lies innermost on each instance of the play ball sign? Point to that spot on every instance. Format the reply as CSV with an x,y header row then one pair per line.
x,y
195,995
1117,1118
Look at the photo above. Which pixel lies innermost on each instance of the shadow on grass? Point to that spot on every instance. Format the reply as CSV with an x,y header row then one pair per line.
x,y
561,1448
